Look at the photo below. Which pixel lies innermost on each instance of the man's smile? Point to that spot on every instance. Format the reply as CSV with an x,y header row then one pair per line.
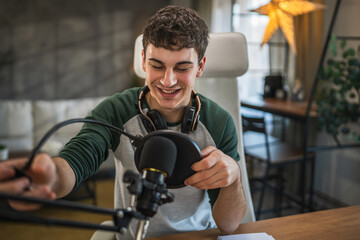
x,y
168,92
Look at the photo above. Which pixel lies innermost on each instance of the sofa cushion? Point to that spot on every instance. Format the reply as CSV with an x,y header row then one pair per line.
x,y
16,125
48,113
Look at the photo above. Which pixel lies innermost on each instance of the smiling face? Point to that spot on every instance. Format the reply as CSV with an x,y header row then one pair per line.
x,y
170,75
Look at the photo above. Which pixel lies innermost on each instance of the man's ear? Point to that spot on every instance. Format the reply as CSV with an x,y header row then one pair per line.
x,y
201,67
143,60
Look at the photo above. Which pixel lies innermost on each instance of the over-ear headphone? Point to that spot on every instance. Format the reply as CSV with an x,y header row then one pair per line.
x,y
153,120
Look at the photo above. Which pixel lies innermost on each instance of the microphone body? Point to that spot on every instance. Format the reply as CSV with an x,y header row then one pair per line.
x,y
157,161
149,201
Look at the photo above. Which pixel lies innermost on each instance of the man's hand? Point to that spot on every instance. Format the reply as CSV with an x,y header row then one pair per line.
x,y
215,170
42,172
15,186
218,170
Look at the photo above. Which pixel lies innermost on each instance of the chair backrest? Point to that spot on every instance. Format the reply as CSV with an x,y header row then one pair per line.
x,y
258,125
226,59
253,124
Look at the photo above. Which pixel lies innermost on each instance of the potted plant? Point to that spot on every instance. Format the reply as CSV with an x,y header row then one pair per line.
x,y
4,152
338,99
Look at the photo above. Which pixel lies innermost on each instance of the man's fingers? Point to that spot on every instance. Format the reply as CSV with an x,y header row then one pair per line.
x,y
216,181
205,152
6,172
16,162
206,177
7,168
42,192
215,170
210,157
16,186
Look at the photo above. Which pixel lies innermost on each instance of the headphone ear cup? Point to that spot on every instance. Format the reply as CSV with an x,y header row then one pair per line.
x,y
188,119
157,119
147,124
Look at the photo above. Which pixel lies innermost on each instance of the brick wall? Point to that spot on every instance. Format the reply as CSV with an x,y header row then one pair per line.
x,y
69,49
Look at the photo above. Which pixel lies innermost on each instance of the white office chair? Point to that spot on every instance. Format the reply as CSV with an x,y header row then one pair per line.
x,y
226,59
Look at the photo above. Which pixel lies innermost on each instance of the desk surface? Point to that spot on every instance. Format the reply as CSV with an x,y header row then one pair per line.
x,y
340,223
285,108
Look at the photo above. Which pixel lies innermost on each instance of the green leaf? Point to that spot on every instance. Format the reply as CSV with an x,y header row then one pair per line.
x,y
332,45
343,44
337,65
349,52
352,61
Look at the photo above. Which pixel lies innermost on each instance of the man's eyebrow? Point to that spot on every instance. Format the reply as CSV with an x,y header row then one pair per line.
x,y
184,62
156,60
179,63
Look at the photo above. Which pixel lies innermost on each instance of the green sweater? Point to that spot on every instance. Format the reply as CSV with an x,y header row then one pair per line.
x,y
191,209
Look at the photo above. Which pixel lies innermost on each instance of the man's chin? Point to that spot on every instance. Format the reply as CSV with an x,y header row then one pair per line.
x,y
169,106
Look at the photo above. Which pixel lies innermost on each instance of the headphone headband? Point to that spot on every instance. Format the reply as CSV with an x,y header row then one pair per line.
x,y
197,115
143,92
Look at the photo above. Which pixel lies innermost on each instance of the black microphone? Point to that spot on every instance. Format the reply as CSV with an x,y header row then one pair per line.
x,y
188,152
157,161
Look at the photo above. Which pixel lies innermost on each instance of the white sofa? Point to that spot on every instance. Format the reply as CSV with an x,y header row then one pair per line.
x,y
24,122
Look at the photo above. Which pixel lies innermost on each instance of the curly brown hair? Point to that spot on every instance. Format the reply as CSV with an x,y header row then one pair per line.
x,y
175,28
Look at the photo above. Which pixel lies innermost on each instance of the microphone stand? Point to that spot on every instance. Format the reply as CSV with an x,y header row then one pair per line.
x,y
139,185
141,229
121,217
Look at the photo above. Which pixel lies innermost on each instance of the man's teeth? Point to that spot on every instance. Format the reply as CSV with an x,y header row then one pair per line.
x,y
166,91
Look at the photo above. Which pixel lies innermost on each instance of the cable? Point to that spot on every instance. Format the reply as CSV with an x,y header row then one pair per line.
x,y
136,139
121,217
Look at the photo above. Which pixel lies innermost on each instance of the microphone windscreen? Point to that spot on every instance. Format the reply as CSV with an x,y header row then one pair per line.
x,y
158,153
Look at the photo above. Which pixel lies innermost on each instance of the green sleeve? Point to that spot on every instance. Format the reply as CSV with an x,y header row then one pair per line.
x,y
90,147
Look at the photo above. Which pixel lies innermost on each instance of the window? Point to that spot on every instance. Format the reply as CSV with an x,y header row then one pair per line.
x,y
265,60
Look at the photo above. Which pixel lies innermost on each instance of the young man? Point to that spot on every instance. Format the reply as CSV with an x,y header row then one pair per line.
x,y
174,41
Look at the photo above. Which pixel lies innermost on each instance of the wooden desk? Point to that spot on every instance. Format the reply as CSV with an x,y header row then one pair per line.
x,y
285,108
334,224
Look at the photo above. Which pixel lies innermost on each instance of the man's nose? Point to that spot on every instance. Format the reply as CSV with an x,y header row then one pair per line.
x,y
169,78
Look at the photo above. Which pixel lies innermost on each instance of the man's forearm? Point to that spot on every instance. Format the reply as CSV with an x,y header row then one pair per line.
x,y
230,207
65,178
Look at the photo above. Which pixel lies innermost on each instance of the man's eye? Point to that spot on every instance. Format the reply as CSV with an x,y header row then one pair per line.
x,y
157,67
182,69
